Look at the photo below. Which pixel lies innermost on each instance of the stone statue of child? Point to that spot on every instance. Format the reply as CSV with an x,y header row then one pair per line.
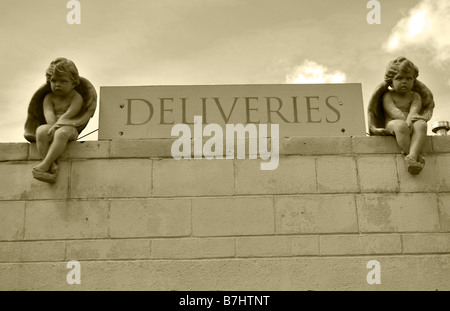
x,y
65,114
404,105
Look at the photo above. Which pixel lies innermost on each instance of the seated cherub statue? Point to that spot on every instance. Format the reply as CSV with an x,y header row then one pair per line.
x,y
401,106
57,114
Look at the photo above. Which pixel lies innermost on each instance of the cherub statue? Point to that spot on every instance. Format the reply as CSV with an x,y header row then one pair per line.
x,y
402,106
57,113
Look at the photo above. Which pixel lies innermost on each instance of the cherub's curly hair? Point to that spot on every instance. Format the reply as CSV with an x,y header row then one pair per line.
x,y
400,65
63,65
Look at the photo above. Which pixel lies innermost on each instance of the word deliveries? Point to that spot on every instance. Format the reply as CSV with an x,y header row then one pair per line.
x,y
213,147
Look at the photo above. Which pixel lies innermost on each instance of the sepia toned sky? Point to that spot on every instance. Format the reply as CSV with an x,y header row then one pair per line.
x,y
171,42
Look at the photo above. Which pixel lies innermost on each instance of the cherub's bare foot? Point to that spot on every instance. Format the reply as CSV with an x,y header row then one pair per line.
x,y
421,159
54,168
414,167
40,174
42,167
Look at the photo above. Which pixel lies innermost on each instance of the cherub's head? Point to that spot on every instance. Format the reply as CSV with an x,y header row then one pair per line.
x,y
62,68
400,65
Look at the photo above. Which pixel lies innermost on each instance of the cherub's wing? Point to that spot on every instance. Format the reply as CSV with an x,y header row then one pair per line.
x,y
87,91
35,115
427,100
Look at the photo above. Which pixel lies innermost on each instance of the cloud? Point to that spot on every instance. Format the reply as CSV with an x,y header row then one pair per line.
x,y
426,27
311,72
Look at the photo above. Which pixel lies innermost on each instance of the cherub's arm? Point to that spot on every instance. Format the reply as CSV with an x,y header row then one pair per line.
x,y
415,108
49,110
390,109
75,106
90,102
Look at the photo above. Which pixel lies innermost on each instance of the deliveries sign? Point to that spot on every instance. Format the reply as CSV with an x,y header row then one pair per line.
x,y
139,112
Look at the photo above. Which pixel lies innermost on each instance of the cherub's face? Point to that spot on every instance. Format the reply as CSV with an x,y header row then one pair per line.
x,y
61,84
403,82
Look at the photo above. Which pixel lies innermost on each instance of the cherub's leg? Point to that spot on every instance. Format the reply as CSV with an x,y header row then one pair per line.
x,y
60,139
402,134
418,138
43,140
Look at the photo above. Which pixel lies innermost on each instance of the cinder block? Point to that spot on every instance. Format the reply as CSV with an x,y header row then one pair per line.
x,y
383,144
150,218
108,249
316,214
162,148
427,148
248,147
12,185
86,150
32,251
427,181
315,145
444,211
293,175
34,276
111,178
232,216
11,220
377,173
193,248
360,244
374,144
398,213
418,272
443,168
33,153
18,182
13,151
426,243
337,175
141,148
277,246
77,150
46,220
199,177
441,144
41,190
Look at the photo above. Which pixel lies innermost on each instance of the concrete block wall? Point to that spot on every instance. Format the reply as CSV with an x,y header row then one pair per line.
x,y
136,219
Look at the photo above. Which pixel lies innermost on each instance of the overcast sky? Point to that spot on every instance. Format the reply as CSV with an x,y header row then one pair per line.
x,y
165,42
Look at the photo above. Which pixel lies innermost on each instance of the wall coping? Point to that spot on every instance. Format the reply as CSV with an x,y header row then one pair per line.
x,y
161,148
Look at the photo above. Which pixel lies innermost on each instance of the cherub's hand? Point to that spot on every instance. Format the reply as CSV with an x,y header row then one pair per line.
x,y
409,123
64,123
416,118
52,130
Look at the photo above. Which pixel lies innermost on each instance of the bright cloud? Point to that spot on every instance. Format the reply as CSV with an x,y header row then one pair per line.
x,y
427,26
311,72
